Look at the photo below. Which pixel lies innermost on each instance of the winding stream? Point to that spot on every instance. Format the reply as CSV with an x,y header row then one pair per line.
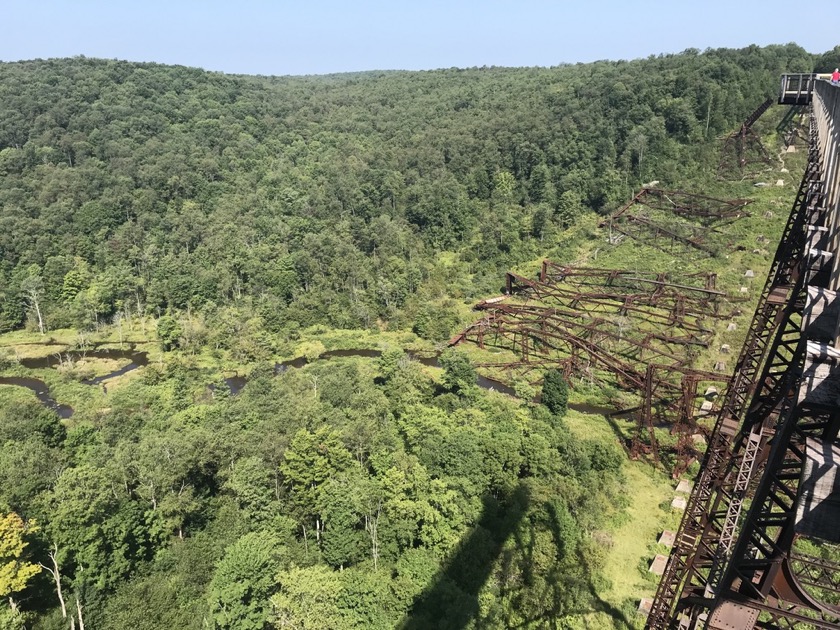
x,y
235,383
136,360
42,390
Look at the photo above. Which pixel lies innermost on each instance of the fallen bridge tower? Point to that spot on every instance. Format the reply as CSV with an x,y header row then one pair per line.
x,y
758,544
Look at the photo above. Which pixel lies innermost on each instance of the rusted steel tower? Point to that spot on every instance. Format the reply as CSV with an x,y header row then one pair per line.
x,y
744,146
758,544
643,329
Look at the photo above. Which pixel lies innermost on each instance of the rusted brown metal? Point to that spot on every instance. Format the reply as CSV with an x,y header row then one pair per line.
x,y
793,127
679,218
686,204
641,329
733,564
744,146
677,407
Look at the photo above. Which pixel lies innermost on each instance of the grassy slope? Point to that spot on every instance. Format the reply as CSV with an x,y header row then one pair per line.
x,y
633,537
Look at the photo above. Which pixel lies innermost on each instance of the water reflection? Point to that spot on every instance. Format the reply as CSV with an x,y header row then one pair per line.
x,y
41,391
73,357
235,383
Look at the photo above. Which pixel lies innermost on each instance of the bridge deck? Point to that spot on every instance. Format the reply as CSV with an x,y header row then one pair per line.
x,y
818,507
738,568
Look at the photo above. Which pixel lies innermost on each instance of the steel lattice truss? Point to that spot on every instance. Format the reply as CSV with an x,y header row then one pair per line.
x,y
668,219
734,563
793,127
744,146
644,329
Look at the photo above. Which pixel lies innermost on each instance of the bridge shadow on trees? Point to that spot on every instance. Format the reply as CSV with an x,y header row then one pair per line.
x,y
450,602
569,586
529,554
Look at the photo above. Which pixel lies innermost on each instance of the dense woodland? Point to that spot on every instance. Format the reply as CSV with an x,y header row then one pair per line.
x,y
268,204
241,210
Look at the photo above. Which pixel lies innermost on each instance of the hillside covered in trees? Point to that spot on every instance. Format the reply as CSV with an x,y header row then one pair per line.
x,y
245,214
278,203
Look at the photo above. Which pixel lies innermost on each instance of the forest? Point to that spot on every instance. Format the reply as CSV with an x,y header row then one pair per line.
x,y
224,223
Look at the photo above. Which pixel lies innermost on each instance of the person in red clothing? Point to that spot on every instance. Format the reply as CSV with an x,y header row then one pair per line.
x,y
835,77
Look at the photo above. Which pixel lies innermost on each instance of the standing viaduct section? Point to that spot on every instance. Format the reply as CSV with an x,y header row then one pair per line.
x,y
759,543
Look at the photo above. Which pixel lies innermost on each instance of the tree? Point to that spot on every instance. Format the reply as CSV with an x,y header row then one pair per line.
x,y
73,284
459,375
555,392
15,571
26,469
33,291
22,421
244,581
390,362
55,571
169,332
100,536
504,184
252,483
340,507
435,322
568,208
308,599
311,459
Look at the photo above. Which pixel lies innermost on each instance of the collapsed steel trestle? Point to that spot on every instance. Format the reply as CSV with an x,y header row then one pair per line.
x,y
679,218
734,563
643,328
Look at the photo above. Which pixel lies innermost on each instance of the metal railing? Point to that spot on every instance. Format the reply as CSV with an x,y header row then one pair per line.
x,y
796,89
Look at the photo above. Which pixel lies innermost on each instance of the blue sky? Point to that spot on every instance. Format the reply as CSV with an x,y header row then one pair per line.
x,y
322,36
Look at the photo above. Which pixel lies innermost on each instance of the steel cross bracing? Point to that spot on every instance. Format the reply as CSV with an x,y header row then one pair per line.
x,y
687,204
699,287
744,146
758,582
698,554
678,218
792,128
588,320
817,572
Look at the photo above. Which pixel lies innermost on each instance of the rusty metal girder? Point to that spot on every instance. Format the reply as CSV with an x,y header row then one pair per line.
x,y
697,557
554,272
620,286
667,310
683,211
680,400
816,572
793,127
635,326
542,323
686,204
744,145
649,231
625,290
739,570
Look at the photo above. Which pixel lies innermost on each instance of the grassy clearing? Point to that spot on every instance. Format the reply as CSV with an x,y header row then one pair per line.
x,y
633,538
65,382
634,541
